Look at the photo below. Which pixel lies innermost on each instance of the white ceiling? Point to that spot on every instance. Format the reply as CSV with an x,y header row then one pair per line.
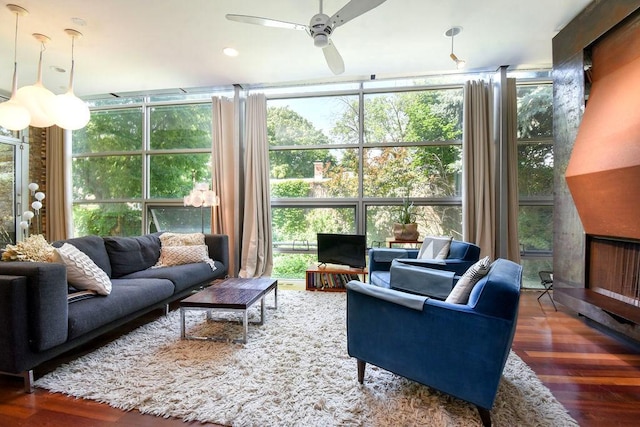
x,y
150,45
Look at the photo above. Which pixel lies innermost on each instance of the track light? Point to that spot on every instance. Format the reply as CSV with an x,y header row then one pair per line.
x,y
452,32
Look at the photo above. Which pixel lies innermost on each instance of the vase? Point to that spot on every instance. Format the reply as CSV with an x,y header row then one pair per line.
x,y
405,231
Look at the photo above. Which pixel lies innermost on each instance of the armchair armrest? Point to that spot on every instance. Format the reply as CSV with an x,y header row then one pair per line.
x,y
380,258
456,265
415,302
420,280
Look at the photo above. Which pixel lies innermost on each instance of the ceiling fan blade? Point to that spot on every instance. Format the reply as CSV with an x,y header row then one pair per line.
x,y
265,22
353,9
334,60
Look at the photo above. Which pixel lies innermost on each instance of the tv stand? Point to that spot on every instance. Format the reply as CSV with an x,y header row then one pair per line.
x,y
332,277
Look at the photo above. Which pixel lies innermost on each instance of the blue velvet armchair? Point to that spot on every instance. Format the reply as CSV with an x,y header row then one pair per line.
x,y
459,349
399,268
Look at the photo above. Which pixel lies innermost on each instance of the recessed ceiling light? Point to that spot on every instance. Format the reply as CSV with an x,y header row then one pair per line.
x,y
229,51
79,21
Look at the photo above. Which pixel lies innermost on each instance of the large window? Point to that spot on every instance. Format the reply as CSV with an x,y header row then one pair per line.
x,y
344,161
133,164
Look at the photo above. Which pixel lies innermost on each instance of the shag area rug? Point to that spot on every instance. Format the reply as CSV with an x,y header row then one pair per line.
x,y
294,371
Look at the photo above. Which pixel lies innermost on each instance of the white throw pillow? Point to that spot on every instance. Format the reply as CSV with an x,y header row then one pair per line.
x,y
435,248
462,289
82,272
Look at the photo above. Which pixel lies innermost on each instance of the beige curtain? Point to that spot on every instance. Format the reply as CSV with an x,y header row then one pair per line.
x,y
478,168
224,172
58,188
513,240
257,257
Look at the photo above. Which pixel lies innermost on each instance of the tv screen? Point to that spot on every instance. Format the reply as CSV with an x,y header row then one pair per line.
x,y
344,249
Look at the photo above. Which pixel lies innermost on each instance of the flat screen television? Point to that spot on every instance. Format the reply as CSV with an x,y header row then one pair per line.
x,y
344,249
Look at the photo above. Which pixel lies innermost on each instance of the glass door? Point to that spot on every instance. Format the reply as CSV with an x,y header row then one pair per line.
x,y
12,155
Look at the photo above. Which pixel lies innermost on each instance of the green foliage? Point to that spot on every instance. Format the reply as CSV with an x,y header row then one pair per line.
x,y
118,175
285,127
291,266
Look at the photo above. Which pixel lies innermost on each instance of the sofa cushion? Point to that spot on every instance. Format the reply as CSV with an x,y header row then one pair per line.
x,y
93,247
127,297
182,276
380,278
460,292
130,254
82,272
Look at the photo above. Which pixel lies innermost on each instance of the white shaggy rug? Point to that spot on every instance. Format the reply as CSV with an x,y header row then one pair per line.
x,y
294,371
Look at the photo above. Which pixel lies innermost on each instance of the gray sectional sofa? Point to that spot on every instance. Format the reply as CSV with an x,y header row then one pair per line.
x,y
40,321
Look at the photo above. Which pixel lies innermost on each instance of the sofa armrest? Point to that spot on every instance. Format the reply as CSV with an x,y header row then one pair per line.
x,y
218,245
415,302
45,307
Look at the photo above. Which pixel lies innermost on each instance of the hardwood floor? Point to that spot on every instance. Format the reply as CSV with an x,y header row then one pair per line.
x,y
595,375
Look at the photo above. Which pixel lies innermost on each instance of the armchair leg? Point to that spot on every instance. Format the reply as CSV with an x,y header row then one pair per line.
x,y
485,416
361,365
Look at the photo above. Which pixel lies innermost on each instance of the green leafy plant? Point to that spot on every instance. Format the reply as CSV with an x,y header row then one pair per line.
x,y
407,212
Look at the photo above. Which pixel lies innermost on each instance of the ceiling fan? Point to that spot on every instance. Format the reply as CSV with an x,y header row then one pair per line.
x,y
320,27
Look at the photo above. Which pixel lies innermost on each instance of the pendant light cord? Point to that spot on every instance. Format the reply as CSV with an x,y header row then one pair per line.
x,y
15,41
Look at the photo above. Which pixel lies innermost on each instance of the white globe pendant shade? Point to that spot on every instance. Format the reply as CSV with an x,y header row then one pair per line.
x,y
40,102
13,115
70,112
36,98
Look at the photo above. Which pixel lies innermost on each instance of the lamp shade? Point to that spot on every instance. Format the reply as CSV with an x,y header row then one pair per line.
x,y
14,115
40,102
71,112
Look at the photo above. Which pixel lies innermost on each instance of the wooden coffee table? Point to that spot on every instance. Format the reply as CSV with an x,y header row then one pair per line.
x,y
234,294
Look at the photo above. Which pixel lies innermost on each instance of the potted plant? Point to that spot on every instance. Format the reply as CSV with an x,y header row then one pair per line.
x,y
406,228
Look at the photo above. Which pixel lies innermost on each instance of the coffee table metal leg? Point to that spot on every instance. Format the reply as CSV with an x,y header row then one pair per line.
x,y
246,326
182,327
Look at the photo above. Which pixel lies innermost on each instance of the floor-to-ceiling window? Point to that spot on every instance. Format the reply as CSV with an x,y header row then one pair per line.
x,y
535,177
343,158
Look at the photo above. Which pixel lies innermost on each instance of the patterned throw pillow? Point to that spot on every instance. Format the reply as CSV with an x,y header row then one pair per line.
x,y
181,239
435,248
462,290
82,272
178,255
34,248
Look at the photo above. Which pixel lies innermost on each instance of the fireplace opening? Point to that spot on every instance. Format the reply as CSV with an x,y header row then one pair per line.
x,y
613,268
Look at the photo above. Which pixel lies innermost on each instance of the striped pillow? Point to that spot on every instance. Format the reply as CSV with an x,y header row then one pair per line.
x,y
462,290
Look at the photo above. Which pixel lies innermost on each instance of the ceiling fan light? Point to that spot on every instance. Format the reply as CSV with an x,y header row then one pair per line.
x,y
320,40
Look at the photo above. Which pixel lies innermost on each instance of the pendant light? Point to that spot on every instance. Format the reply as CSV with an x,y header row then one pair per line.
x,y
39,100
13,115
70,111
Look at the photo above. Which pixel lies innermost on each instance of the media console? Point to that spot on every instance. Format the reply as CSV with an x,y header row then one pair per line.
x,y
332,277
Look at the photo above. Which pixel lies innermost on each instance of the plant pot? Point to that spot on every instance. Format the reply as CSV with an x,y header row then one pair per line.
x,y
405,231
